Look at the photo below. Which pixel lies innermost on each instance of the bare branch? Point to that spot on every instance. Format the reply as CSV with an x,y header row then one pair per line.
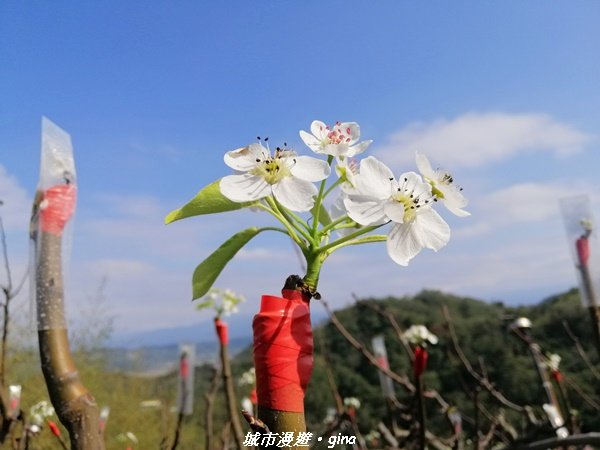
x,y
400,379
580,350
390,317
482,380
589,400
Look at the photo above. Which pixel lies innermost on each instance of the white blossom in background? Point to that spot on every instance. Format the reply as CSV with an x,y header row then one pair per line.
x,y
443,186
330,415
127,436
587,225
340,141
39,412
373,435
420,335
552,361
352,402
285,175
407,202
248,378
346,171
223,301
247,404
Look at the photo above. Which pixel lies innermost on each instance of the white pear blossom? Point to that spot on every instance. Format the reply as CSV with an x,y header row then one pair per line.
x,y
346,170
338,210
223,301
407,202
443,187
420,335
248,378
587,225
285,175
127,436
339,141
552,361
39,412
352,401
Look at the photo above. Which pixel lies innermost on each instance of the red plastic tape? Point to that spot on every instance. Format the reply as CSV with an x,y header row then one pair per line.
x,y
583,250
56,208
283,351
221,328
54,428
557,375
253,397
420,361
184,367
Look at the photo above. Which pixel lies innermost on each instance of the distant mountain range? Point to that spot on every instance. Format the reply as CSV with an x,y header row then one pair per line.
x,y
157,360
155,352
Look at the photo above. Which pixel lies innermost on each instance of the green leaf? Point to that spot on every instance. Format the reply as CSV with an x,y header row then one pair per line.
x,y
208,201
324,218
209,269
205,304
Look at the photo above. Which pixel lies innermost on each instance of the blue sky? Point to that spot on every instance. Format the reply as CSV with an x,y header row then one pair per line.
x,y
505,94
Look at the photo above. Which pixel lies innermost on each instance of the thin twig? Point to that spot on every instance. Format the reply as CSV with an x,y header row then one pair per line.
x,y
580,350
255,423
392,320
590,401
209,397
483,381
402,380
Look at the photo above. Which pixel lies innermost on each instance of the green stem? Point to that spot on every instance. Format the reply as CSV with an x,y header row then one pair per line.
x,y
332,187
314,262
333,224
319,200
299,225
286,224
351,236
365,240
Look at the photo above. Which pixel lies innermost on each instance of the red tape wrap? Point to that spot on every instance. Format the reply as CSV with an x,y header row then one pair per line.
x,y
54,428
420,361
557,375
221,328
583,250
283,351
56,208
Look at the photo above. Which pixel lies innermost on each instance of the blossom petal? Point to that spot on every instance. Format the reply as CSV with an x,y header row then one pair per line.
x,y
428,230
295,194
433,232
403,243
365,210
337,150
453,200
308,168
413,183
244,159
338,210
244,188
394,210
313,143
374,178
350,130
358,148
424,166
319,129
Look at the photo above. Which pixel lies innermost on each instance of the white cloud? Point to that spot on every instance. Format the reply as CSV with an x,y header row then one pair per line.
x,y
478,139
526,202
